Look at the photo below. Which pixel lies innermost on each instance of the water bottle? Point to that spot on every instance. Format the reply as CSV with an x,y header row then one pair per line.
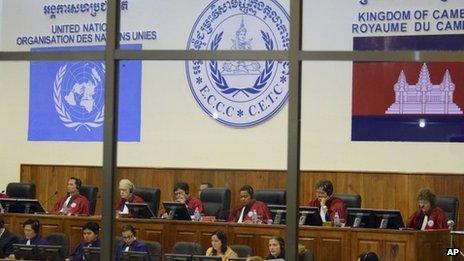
x,y
197,215
254,217
336,219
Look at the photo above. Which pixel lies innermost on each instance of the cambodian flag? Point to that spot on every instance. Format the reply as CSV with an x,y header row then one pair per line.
x,y
399,101
66,98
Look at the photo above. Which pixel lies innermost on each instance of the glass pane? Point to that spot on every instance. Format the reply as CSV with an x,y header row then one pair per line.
x,y
50,26
194,130
381,25
374,113
206,25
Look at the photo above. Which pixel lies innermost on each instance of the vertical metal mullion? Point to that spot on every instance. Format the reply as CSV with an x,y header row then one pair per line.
x,y
293,138
110,129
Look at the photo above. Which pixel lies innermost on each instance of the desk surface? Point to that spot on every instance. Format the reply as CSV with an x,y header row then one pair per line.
x,y
327,243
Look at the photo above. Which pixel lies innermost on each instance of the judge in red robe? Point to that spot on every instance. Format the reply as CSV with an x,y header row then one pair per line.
x,y
244,213
126,191
182,194
429,216
327,204
73,203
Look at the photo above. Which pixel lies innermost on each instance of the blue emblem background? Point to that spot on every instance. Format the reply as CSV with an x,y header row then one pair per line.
x,y
44,122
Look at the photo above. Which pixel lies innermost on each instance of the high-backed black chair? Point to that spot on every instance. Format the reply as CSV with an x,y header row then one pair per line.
x,y
155,249
242,250
20,190
450,206
59,239
187,248
216,202
91,193
350,200
271,196
151,196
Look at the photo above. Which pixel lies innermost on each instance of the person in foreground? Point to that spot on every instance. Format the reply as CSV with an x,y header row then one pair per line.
x,y
90,232
428,216
7,239
244,213
276,248
130,242
327,204
219,246
73,203
31,228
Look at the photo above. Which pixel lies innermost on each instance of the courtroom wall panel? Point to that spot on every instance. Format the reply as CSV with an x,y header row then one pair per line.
x,y
377,189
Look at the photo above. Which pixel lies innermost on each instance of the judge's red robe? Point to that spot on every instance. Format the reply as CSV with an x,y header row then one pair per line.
x,y
79,205
436,220
261,209
334,205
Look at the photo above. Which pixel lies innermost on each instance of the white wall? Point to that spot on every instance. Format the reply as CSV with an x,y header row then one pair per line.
x,y
177,133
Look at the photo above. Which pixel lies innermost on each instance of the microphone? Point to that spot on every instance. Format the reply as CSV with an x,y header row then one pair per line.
x,y
52,196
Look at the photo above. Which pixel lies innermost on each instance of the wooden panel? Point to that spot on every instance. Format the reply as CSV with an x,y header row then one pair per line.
x,y
331,243
395,251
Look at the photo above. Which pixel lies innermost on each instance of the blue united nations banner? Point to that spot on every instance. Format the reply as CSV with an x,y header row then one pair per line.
x,y
66,99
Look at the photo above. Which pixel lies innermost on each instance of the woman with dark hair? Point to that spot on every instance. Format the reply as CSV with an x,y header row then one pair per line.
x,y
276,248
219,246
429,216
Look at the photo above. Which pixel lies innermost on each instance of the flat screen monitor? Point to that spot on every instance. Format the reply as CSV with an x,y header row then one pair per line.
x,y
23,251
279,213
140,210
21,205
135,256
374,218
50,252
177,257
92,253
310,216
176,210
206,258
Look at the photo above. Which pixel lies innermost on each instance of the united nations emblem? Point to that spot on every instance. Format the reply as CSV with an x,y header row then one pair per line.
x,y
78,94
240,93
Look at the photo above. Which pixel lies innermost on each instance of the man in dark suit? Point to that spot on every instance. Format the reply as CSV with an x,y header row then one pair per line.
x,y
7,239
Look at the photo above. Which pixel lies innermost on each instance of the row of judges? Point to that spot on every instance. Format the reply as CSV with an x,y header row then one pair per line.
x,y
428,215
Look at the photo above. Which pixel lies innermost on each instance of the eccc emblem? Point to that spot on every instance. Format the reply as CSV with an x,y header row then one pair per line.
x,y
240,93
79,95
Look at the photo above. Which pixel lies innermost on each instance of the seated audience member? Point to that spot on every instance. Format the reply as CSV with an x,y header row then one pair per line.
x,y
90,233
7,239
219,246
126,191
181,194
328,205
203,186
73,203
254,258
276,248
31,229
244,213
429,216
130,242
368,256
